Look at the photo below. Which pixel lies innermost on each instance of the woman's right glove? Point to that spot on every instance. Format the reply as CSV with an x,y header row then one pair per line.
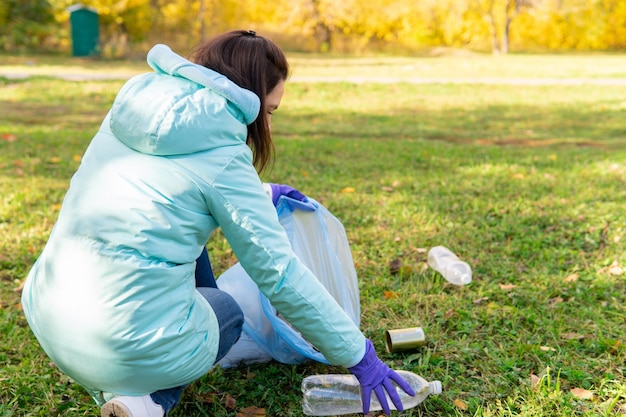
x,y
275,191
284,189
374,375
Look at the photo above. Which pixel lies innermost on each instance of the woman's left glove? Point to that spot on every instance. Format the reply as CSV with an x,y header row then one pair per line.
x,y
374,375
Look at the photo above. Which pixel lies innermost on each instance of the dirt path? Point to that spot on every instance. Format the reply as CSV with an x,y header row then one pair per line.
x,y
358,80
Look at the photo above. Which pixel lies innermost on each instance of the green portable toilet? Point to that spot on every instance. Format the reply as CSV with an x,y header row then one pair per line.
x,y
85,30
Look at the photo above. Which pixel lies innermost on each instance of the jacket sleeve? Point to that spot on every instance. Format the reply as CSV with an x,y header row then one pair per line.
x,y
249,222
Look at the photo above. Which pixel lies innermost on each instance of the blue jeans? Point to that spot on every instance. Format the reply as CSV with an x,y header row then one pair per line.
x,y
229,317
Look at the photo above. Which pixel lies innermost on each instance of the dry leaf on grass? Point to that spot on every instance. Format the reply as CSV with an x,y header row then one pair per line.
x,y
547,349
534,380
449,314
572,336
506,287
390,294
481,300
460,404
348,190
571,278
395,266
251,411
581,393
206,397
230,403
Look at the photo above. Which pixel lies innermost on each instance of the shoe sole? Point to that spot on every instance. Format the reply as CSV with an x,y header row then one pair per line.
x,y
115,409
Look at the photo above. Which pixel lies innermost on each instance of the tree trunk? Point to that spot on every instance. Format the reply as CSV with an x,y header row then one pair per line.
x,y
495,48
504,48
323,36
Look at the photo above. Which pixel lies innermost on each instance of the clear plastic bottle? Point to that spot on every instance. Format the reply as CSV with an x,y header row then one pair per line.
x,y
336,394
455,271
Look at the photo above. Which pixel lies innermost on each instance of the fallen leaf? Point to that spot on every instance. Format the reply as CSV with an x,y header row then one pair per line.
x,y
506,287
387,189
76,158
571,278
534,380
396,183
552,157
348,190
481,300
9,137
547,349
555,300
460,404
616,270
449,314
572,336
251,411
395,266
582,393
421,250
518,176
54,160
206,397
390,294
230,402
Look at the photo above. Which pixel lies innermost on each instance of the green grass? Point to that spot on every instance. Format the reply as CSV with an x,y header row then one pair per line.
x,y
528,184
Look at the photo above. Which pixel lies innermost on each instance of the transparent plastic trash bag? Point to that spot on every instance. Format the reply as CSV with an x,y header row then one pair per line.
x,y
319,240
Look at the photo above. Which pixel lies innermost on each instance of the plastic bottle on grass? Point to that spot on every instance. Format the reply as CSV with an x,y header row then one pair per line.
x,y
336,394
454,270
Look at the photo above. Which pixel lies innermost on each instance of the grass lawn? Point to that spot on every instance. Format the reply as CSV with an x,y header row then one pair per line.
x,y
526,183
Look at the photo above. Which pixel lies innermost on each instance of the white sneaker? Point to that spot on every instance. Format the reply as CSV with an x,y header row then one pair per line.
x,y
124,406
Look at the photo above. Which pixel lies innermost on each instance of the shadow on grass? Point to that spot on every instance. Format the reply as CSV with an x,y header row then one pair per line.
x,y
490,125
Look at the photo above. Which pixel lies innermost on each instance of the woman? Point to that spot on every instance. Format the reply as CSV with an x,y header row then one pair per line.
x,y
113,299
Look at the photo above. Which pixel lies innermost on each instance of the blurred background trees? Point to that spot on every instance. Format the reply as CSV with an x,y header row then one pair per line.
x,y
128,27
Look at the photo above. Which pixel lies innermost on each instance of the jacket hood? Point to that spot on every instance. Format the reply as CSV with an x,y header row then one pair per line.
x,y
180,108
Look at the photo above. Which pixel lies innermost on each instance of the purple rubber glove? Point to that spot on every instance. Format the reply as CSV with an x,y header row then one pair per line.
x,y
374,375
282,189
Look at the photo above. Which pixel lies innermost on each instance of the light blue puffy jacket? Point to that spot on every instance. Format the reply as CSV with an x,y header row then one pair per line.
x,y
112,297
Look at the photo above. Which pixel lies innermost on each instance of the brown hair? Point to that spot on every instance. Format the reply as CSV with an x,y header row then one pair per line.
x,y
256,64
